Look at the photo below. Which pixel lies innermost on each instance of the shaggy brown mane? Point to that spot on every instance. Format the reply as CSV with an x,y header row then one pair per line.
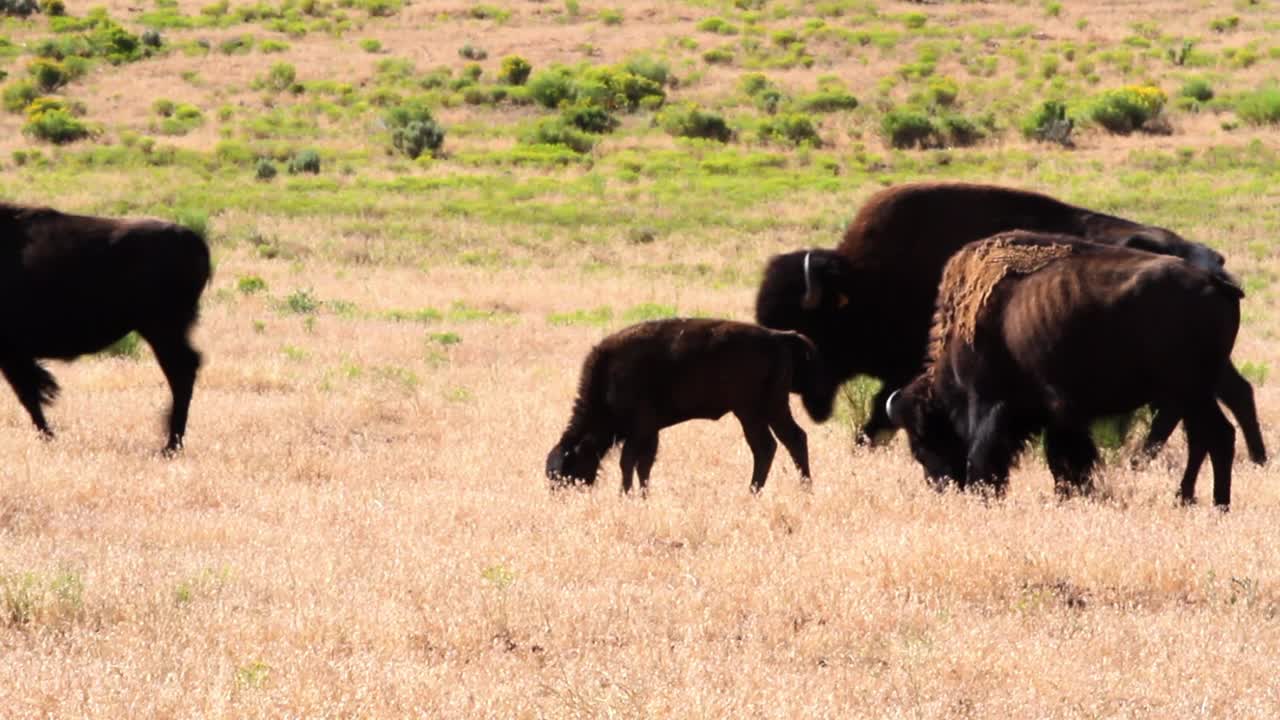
x,y
973,273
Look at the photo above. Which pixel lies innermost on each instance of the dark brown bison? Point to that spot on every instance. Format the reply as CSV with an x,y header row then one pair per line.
x,y
656,374
1042,332
72,285
867,304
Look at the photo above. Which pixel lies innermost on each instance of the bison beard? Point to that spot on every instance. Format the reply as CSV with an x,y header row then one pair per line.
x,y
868,303
1094,332
72,285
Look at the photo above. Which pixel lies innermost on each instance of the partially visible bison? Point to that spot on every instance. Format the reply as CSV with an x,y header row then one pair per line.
x,y
1036,331
656,374
867,304
72,284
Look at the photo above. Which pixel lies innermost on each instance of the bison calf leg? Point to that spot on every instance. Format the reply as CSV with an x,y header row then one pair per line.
x,y
34,387
638,453
762,445
180,363
1237,394
1072,457
793,439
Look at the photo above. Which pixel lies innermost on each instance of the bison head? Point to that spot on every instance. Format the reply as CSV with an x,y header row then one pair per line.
x,y
931,433
576,461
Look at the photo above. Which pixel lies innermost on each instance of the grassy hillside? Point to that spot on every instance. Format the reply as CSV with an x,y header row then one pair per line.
x,y
359,525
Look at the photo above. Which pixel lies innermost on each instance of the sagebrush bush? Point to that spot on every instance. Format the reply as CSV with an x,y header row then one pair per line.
x,y
551,87
908,127
1198,89
265,169
304,161
791,128
471,52
18,95
646,66
163,107
1261,107
414,130
1124,110
555,131
589,118
49,75
52,121
280,77
690,120
829,100
514,70
1049,123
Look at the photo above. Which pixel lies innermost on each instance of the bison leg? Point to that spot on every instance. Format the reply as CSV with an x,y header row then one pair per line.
x,y
638,453
34,387
793,438
990,450
1237,394
179,362
1163,423
1072,456
1209,432
762,445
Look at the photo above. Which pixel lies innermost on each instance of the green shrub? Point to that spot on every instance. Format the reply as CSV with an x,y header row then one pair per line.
x,y
18,95
830,100
1049,123
371,45
1261,107
646,66
250,284
305,161
955,130
236,45
49,75
718,56
52,121
266,170
1197,89
555,131
589,118
414,130
1225,24
1126,109
611,17
163,107
471,52
793,128
942,92
273,46
689,120
717,25
908,127
280,77
616,89
514,70
551,87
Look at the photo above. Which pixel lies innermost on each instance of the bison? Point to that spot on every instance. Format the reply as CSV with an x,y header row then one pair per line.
x,y
73,284
867,304
656,374
1047,332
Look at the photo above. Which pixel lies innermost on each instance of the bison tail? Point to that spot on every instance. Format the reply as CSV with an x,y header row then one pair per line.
x,y
809,377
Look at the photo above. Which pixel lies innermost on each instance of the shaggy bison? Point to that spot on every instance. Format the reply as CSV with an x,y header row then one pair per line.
x,y
867,304
656,374
74,284
1036,331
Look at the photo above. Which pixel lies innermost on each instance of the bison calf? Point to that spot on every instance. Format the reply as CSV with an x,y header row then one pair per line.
x,y
74,284
1048,332
656,374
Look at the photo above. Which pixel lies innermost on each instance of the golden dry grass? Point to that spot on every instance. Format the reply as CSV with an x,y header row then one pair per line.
x,y
341,540
360,527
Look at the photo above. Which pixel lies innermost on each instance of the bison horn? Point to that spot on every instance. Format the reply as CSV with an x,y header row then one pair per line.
x,y
812,291
893,410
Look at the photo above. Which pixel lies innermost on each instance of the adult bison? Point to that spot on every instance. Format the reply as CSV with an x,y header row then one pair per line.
x,y
867,304
72,284
1042,332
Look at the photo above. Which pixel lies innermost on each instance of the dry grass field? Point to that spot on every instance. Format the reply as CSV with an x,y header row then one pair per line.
x,y
360,527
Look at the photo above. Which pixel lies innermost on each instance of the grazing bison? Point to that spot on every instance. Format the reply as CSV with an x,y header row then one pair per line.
x,y
656,374
867,304
1036,331
71,284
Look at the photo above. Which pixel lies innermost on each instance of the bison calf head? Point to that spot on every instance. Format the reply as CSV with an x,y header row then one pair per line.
x,y
575,461
931,433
